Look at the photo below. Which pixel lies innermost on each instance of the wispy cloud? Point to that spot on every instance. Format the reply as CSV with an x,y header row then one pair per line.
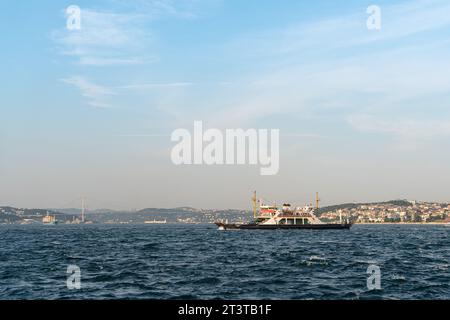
x,y
109,38
145,86
366,71
158,9
96,95
403,128
387,83
105,39
103,61
398,21
99,95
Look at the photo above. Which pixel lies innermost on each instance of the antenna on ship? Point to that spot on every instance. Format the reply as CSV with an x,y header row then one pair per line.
x,y
254,204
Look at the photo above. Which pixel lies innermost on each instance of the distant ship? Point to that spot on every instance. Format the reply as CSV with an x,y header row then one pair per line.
x,y
49,220
156,221
271,217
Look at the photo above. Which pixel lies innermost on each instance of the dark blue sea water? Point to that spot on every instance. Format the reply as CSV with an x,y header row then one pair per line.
x,y
187,262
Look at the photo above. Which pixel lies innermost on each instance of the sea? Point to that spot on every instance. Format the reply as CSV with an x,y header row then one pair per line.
x,y
182,261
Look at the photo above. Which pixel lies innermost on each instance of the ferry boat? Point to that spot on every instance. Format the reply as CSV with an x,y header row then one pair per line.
x,y
270,217
50,220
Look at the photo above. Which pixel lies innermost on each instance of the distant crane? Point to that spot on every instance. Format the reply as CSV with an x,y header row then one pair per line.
x,y
82,210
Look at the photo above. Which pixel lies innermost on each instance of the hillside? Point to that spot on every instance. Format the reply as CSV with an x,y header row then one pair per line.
x,y
16,215
401,203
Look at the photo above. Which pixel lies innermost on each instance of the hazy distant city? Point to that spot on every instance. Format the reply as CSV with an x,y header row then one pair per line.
x,y
396,211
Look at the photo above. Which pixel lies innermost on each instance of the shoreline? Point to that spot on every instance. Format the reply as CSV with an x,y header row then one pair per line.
x,y
402,223
208,223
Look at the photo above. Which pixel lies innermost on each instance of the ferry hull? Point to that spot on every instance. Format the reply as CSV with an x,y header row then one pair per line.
x,y
325,226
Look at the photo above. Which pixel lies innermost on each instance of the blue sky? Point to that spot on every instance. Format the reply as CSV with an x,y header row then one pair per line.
x,y
364,115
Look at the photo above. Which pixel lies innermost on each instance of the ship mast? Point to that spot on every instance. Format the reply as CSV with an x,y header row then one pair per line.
x,y
254,204
317,202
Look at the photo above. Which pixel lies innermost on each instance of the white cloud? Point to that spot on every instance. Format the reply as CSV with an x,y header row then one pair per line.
x,y
365,72
108,38
398,81
99,95
157,9
96,95
104,39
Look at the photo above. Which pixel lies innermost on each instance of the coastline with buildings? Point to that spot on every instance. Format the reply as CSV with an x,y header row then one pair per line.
x,y
391,212
398,212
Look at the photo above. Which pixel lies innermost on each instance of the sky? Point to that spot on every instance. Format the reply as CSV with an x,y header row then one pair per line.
x,y
364,115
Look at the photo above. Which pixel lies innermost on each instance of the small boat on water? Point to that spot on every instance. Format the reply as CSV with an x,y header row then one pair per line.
x,y
270,217
154,221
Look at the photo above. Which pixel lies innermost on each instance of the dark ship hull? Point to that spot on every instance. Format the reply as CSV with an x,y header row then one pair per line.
x,y
254,226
